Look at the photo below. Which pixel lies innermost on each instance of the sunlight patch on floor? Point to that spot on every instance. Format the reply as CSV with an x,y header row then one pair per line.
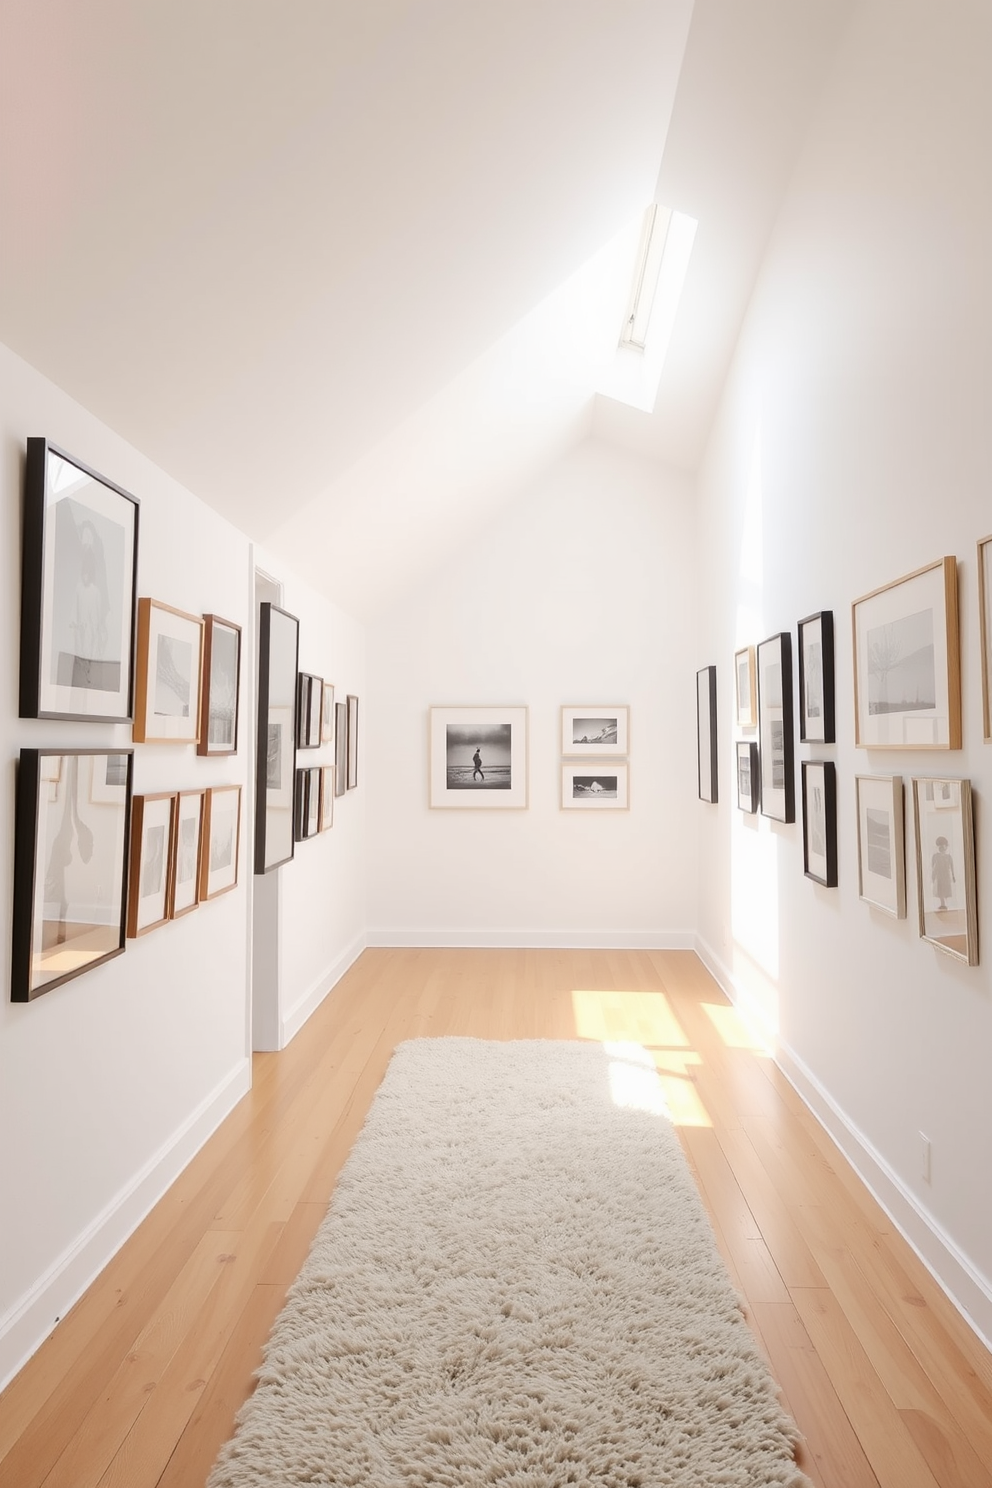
x,y
734,1030
641,1017
659,1082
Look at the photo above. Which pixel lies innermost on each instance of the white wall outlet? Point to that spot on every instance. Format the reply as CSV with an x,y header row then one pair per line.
x,y
925,1157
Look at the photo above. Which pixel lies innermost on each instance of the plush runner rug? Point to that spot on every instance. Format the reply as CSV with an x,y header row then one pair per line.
x,y
515,1283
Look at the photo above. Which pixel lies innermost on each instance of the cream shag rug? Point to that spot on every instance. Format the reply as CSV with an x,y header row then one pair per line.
x,y
515,1283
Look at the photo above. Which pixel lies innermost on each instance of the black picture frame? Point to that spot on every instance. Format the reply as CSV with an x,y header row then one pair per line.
x,y
72,807
275,758
776,748
707,772
307,805
819,785
79,571
817,724
748,780
352,741
309,699
220,687
340,748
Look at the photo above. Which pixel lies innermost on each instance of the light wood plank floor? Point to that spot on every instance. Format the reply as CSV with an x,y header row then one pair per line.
x,y
139,1384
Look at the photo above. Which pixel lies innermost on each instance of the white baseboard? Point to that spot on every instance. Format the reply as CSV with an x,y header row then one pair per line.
x,y
965,1286
579,940
29,1322
295,1017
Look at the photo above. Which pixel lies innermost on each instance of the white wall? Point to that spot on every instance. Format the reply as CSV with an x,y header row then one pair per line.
x,y
582,592
854,445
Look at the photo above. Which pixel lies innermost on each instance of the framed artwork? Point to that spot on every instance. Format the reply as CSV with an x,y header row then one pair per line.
x,y
881,843
595,786
747,775
352,741
595,729
340,748
907,667
308,710
326,797
816,679
985,619
221,687
478,758
70,867
221,840
79,564
744,688
820,822
775,742
327,713
187,847
167,675
706,770
275,749
307,802
945,867
153,826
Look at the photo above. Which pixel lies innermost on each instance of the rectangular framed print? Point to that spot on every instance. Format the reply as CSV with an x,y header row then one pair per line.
x,y
816,679
307,802
985,621
945,867
79,564
775,742
747,775
327,714
186,853
326,797
167,675
352,741
881,843
340,748
744,688
153,824
309,702
907,668
820,822
595,729
220,690
221,840
275,749
70,866
478,758
706,772
595,785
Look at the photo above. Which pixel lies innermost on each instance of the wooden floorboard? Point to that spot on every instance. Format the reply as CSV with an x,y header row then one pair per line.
x,y
138,1386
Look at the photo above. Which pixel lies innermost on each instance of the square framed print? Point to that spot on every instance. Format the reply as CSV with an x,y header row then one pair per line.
x,y
167,675
595,785
70,866
985,622
907,666
221,687
816,679
221,840
747,775
352,741
326,797
745,694
820,822
340,748
945,867
706,746
275,749
327,714
79,564
881,843
775,741
309,702
153,826
478,758
186,853
595,729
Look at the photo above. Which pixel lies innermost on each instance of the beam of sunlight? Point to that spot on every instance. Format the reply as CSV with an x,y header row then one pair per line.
x,y
643,1081
637,1017
733,1028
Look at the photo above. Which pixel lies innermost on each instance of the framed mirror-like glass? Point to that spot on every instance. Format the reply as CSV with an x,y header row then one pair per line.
x,y
945,867
221,686
275,760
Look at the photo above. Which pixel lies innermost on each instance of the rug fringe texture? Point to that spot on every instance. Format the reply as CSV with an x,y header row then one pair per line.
x,y
516,1283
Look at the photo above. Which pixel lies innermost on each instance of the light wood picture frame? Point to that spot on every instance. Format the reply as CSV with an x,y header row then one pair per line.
x,y
882,843
595,730
817,724
327,794
947,898
327,713
819,792
707,771
187,853
153,828
168,673
595,785
221,690
745,688
478,758
221,841
985,628
907,665
776,752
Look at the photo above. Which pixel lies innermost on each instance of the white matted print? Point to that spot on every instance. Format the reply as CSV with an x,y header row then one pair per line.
x,y
985,617
601,729
221,837
595,786
167,680
478,757
945,867
187,847
881,843
745,689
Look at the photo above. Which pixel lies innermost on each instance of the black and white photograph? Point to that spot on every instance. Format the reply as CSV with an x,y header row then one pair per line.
x,y
70,869
478,757
591,786
881,843
816,678
153,823
221,675
275,738
744,688
775,752
327,713
707,774
600,729
820,822
79,560
187,840
221,840
327,794
352,740
747,775
167,686
340,748
945,866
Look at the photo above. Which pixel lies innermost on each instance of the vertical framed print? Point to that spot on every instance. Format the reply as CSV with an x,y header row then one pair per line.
x,y
327,713
775,741
153,826
275,757
340,748
186,853
221,840
744,688
352,741
820,822
309,704
985,624
881,843
816,679
221,687
706,742
70,865
747,776
478,758
945,867
326,797
167,675
79,563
